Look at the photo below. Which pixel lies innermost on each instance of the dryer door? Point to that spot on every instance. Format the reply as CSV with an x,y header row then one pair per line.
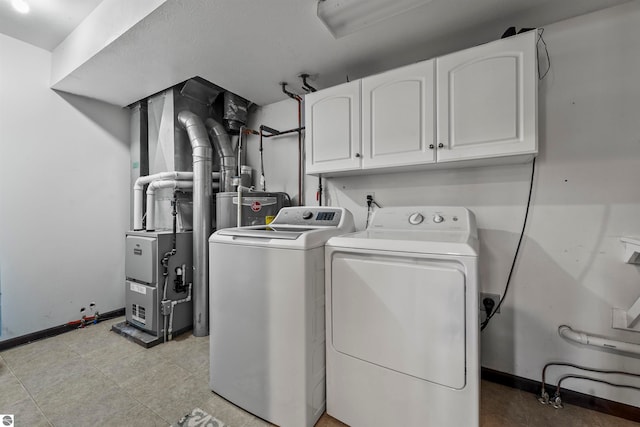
x,y
401,313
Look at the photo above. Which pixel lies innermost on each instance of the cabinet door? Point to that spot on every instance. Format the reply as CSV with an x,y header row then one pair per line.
x,y
487,100
332,119
398,118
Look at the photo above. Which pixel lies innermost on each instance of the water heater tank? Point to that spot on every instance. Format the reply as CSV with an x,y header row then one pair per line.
x,y
258,208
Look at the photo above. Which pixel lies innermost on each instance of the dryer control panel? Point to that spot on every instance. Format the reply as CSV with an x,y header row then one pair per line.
x,y
424,218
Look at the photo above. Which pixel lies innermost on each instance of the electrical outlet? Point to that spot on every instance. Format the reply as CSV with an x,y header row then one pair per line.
x,y
494,297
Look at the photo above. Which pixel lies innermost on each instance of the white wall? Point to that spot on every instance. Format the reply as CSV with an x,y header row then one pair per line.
x,y
64,197
280,153
585,198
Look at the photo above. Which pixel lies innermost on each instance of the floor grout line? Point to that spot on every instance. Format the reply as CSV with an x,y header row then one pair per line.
x,y
27,391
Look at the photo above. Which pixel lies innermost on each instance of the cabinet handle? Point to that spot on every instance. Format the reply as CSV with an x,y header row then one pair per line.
x,y
441,145
357,154
431,146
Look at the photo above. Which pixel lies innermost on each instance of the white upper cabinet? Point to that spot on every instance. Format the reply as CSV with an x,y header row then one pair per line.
x,y
471,108
398,117
487,100
332,120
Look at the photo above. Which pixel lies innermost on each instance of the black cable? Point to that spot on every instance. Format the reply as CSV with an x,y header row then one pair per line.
x,y
370,203
540,39
515,256
584,368
174,214
582,377
263,183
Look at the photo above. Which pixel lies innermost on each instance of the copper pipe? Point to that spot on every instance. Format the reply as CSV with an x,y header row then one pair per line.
x,y
298,98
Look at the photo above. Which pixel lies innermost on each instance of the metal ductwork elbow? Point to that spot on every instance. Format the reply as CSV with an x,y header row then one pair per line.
x,y
222,143
202,167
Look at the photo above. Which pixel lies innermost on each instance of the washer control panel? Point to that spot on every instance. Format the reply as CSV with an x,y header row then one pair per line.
x,y
309,216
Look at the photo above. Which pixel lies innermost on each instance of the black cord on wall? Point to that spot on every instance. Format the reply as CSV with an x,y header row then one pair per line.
x,y
515,256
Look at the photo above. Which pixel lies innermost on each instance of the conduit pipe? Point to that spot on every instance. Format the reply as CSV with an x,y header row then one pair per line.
x,y
582,338
151,196
222,144
138,189
202,165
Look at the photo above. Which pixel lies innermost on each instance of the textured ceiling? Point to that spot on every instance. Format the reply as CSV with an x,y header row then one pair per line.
x,y
249,46
48,22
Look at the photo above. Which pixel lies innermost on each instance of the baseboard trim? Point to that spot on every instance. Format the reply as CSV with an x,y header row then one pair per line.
x,y
52,332
571,397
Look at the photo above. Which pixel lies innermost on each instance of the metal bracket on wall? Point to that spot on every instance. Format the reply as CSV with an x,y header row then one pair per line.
x,y
628,319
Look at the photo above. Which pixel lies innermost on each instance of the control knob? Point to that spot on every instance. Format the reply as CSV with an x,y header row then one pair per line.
x,y
437,218
307,215
416,218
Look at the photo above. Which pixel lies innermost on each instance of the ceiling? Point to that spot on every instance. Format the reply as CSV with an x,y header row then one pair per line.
x,y
48,22
249,46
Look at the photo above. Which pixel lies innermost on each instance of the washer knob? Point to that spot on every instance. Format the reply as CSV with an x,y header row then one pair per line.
x,y
437,218
415,218
307,215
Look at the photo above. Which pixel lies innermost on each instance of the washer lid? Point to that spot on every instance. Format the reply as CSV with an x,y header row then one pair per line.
x,y
297,227
266,232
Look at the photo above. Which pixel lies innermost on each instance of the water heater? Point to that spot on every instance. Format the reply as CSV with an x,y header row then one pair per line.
x,y
258,208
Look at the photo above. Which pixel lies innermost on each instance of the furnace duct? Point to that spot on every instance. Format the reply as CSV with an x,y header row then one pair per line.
x,y
235,112
222,143
202,191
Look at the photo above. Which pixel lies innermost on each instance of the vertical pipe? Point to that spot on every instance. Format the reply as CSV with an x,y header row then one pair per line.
x,y
144,142
222,143
300,201
202,165
298,98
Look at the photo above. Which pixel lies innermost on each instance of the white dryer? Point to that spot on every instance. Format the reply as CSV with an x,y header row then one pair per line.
x,y
402,320
267,314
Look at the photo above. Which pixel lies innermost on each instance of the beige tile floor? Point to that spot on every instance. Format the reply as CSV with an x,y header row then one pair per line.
x,y
94,377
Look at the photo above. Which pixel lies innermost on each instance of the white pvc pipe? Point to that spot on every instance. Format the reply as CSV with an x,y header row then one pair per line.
x,y
138,188
173,306
151,196
582,338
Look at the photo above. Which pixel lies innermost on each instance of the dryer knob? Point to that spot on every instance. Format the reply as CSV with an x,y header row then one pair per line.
x,y
437,218
416,218
307,215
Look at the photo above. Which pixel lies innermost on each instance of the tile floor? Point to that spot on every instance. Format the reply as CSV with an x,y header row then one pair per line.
x,y
94,377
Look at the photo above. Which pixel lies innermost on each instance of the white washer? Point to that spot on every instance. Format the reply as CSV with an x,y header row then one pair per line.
x,y
267,314
402,320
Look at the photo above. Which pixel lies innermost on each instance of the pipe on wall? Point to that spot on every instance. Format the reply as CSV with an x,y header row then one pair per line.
x,y
586,339
202,165
222,143
138,188
151,196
